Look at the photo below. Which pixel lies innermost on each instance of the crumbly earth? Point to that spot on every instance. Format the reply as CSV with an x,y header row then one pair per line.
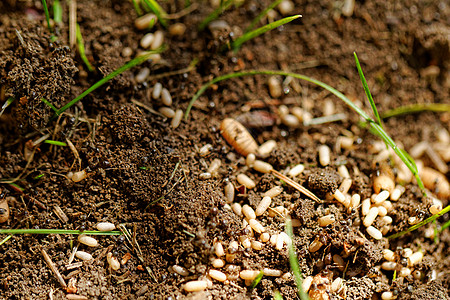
x,y
144,174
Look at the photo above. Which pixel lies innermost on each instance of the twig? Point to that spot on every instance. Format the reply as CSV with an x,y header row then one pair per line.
x,y
140,104
295,185
171,175
54,269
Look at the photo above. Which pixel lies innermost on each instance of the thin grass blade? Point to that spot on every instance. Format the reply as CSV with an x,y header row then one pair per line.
x,y
57,12
257,280
262,15
215,14
56,143
49,104
57,231
6,104
367,91
416,108
47,15
257,32
137,8
137,61
277,296
157,10
418,225
293,261
81,49
5,239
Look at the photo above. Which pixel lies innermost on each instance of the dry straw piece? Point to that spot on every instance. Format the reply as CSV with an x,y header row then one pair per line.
x,y
238,137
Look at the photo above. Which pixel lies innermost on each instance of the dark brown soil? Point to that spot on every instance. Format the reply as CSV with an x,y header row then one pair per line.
x,y
144,174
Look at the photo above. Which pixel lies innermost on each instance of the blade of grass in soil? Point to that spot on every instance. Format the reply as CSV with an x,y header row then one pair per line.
x,y
293,261
49,104
416,108
57,12
6,104
235,45
418,225
56,143
137,8
257,280
367,91
377,129
137,61
224,5
262,15
81,49
57,231
157,10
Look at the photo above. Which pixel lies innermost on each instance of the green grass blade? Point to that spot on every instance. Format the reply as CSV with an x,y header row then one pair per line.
x,y
6,104
262,15
446,224
377,129
277,296
215,14
49,104
418,225
257,32
56,143
81,50
416,108
5,239
47,15
257,280
157,10
293,261
57,11
57,231
366,89
137,61
137,8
